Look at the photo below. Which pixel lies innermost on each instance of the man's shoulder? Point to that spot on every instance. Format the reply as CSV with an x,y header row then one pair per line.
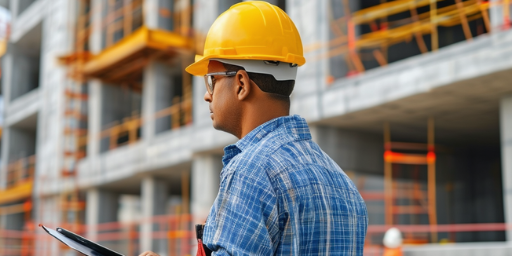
x,y
302,162
278,148
270,155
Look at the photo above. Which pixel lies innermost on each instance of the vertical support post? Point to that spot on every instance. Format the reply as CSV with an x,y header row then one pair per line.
x,y
506,14
127,19
205,185
154,202
506,159
110,30
384,26
187,93
485,16
388,179
185,17
96,13
150,13
352,47
418,36
184,220
379,56
101,207
131,239
431,160
7,80
433,21
185,192
464,20
94,119
150,81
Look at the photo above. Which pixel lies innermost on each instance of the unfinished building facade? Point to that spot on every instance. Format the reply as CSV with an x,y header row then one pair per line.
x,y
106,135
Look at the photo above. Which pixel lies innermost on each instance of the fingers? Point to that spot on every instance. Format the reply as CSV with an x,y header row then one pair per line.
x,y
148,253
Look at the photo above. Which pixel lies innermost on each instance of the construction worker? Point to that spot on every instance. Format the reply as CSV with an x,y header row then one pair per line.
x,y
280,194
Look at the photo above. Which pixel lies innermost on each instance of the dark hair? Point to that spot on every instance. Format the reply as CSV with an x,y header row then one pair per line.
x,y
279,89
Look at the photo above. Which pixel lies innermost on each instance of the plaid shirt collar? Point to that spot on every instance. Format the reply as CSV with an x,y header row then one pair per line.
x,y
294,126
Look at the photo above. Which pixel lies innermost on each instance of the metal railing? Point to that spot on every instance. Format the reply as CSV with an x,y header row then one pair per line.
x,y
20,171
172,235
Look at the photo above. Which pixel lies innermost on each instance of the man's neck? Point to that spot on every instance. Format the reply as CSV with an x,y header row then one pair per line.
x,y
258,117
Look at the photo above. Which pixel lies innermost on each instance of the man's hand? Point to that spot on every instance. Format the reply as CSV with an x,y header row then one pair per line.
x,y
148,253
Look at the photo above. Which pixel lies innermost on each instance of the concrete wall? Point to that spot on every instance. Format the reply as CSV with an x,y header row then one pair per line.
x,y
23,144
26,75
353,151
199,145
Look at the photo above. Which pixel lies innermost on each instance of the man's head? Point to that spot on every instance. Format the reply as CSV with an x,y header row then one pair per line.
x,y
256,48
237,97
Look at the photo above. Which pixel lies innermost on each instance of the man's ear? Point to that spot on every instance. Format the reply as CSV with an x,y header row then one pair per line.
x,y
243,85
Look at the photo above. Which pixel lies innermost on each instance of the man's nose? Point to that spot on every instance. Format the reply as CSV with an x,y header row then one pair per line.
x,y
207,97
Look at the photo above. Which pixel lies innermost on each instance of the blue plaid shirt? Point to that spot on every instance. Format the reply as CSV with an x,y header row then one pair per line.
x,y
280,194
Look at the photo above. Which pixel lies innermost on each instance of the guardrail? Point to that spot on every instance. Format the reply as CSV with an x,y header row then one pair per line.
x,y
20,171
171,235
174,235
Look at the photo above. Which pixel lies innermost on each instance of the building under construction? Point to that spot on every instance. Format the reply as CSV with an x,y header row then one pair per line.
x,y
106,135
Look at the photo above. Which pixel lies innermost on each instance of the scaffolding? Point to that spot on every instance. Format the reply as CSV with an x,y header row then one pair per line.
x,y
417,202
350,42
129,46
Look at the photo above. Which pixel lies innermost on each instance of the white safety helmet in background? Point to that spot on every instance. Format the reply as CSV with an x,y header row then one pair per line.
x,y
392,238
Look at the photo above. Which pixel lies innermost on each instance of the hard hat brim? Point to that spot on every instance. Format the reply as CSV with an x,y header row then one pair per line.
x,y
200,66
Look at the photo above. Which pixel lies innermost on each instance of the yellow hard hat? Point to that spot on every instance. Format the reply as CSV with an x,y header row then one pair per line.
x,y
253,30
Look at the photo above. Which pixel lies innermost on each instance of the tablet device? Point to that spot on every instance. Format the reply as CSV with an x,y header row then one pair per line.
x,y
80,243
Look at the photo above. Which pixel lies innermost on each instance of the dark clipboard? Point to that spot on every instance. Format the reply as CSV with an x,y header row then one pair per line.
x,y
79,243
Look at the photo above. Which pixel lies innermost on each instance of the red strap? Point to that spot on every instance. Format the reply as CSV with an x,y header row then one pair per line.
x,y
200,249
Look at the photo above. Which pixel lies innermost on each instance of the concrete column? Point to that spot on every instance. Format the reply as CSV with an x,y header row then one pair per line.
x,y
148,101
5,155
496,14
165,91
95,39
156,95
205,13
102,206
313,26
154,202
205,185
13,8
506,158
94,121
95,95
152,17
151,13
7,69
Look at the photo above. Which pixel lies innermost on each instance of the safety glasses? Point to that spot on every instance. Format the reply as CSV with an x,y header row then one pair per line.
x,y
209,79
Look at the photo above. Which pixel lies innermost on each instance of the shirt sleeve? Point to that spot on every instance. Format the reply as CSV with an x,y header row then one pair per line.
x,y
243,219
